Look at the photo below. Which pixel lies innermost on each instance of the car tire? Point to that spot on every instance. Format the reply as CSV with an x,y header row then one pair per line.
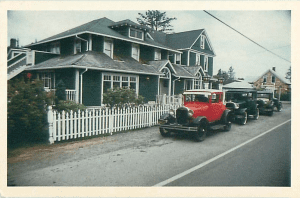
x,y
200,135
243,121
279,107
164,132
227,126
270,113
256,116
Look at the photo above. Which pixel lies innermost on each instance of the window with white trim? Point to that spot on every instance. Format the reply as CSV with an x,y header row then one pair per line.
x,y
264,79
198,81
273,79
188,84
157,54
137,34
197,59
178,59
55,48
111,81
202,41
205,63
108,47
48,79
77,46
135,51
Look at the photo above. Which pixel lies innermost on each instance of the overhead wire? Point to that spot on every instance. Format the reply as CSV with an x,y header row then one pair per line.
x,y
247,37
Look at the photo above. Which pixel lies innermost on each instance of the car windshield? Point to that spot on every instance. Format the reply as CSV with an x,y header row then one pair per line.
x,y
263,95
238,96
196,98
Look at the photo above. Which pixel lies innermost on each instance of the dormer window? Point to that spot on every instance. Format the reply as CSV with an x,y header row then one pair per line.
x,y
197,59
108,47
55,48
205,63
157,54
77,46
178,59
137,34
135,51
202,41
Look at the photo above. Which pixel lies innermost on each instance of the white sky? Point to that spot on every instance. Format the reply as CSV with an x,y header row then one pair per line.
x,y
271,29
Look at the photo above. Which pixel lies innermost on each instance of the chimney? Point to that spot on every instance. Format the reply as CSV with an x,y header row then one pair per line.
x,y
274,68
13,43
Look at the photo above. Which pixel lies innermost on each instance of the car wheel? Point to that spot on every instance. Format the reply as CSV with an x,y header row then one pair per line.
x,y
256,114
279,107
243,121
227,126
164,132
270,113
200,135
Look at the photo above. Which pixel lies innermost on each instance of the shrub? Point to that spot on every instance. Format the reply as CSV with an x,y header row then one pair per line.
x,y
121,97
26,111
68,106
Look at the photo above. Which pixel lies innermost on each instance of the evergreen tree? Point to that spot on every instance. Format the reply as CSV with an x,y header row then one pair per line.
x,y
156,20
231,73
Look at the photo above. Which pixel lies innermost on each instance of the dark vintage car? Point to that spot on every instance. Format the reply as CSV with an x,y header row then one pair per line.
x,y
203,110
267,103
243,104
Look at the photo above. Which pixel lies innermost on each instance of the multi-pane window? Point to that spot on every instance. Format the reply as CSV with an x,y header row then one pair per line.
x,y
77,47
48,79
108,47
55,48
205,63
198,81
135,51
202,41
111,81
134,33
197,59
157,54
188,85
273,79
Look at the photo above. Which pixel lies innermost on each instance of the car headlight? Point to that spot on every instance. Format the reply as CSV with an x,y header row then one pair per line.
x,y
172,112
190,113
236,106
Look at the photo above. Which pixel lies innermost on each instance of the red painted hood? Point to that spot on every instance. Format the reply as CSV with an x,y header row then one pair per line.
x,y
199,108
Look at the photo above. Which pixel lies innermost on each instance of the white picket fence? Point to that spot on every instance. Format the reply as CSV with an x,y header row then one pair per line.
x,y
71,125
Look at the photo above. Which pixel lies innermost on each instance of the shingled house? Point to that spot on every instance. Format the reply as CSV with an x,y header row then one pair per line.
x,y
103,54
273,81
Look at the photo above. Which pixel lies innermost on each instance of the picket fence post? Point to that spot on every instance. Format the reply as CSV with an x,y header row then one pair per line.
x,y
50,122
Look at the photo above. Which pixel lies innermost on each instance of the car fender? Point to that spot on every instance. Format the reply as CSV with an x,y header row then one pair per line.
x,y
168,117
199,119
241,111
225,115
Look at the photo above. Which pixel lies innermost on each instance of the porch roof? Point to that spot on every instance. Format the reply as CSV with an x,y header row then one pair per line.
x,y
96,61
182,72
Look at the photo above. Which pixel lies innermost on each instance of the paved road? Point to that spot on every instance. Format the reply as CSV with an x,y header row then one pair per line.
x,y
144,158
266,161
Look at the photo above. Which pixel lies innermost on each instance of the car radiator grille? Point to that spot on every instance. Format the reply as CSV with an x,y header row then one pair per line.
x,y
182,115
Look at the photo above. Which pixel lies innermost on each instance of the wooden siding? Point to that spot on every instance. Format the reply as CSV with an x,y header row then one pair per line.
x,y
147,53
67,46
67,76
91,88
210,66
148,88
41,57
122,48
97,43
184,58
179,87
192,59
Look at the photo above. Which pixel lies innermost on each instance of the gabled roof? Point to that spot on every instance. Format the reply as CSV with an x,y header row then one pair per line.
x,y
274,73
182,72
238,85
194,69
183,40
102,27
160,64
96,61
